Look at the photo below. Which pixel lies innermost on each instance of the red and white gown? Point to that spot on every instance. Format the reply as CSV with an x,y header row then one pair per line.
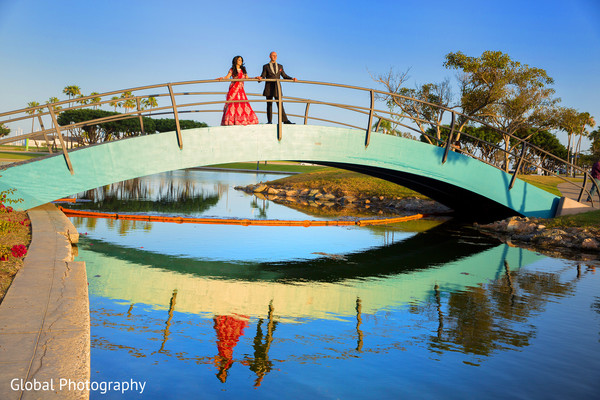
x,y
238,113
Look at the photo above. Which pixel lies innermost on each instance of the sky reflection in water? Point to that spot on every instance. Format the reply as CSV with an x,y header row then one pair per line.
x,y
381,314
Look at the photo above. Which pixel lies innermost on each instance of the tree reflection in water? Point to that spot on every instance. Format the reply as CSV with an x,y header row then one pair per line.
x,y
260,364
479,320
491,317
262,207
150,196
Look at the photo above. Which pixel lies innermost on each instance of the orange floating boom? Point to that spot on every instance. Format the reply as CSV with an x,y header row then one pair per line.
x,y
233,221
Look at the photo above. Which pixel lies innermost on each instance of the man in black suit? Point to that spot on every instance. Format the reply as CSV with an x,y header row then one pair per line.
x,y
272,70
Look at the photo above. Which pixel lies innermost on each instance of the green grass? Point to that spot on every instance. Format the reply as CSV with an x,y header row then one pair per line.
x,y
18,156
341,181
345,182
42,148
547,183
585,220
12,148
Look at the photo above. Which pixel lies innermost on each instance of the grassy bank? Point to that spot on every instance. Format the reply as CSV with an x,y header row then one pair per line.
x,y
345,182
337,180
547,183
341,181
590,220
7,155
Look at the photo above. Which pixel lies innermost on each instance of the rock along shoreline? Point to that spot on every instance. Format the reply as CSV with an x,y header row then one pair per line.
x,y
572,242
531,233
322,199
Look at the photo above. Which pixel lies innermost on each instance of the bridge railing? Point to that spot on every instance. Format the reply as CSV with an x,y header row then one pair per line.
x,y
172,99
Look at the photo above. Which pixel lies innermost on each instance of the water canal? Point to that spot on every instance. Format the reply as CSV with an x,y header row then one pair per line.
x,y
413,310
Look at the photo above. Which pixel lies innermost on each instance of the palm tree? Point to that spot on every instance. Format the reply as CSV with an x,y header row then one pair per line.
x,y
53,100
72,91
574,123
81,100
32,104
150,102
115,102
95,100
585,120
55,108
129,101
568,121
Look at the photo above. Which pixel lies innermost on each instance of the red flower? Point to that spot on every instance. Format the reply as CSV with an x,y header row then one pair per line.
x,y
18,250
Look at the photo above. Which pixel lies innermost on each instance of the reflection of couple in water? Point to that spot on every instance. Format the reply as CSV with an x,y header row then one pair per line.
x,y
229,330
239,112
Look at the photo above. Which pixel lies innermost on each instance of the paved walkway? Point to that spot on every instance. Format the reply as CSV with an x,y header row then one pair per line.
x,y
572,192
45,318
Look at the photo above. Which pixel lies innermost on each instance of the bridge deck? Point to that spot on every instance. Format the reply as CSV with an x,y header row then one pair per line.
x,y
462,183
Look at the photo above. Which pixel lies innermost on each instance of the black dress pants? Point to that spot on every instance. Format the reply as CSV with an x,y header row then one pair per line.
x,y
284,117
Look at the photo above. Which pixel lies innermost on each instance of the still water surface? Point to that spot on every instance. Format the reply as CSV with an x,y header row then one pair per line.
x,y
415,310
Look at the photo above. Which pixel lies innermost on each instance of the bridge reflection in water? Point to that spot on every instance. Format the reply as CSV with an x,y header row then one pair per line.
x,y
467,289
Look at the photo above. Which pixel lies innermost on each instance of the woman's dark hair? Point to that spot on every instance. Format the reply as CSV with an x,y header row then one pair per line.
x,y
234,69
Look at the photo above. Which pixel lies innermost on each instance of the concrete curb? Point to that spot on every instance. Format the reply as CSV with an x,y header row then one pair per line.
x,y
571,192
567,206
45,318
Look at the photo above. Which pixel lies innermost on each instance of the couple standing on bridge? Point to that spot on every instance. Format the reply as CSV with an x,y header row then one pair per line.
x,y
240,112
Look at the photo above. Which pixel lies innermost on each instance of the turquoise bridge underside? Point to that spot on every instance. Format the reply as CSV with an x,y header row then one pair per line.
x,y
462,183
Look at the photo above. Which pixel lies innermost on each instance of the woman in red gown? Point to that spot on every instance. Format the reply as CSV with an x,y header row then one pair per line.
x,y
238,113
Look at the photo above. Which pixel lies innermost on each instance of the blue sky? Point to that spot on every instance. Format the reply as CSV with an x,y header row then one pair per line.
x,y
111,45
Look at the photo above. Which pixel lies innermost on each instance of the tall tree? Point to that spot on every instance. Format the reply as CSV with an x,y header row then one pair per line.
x,y
506,94
72,91
95,100
150,102
128,101
421,105
115,102
573,123
4,130
31,111
53,100
587,121
547,142
81,99
595,138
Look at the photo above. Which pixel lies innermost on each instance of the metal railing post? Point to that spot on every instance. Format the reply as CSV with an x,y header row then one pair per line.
x,y
137,100
594,183
45,134
449,142
279,111
60,138
306,113
518,167
585,178
368,135
177,127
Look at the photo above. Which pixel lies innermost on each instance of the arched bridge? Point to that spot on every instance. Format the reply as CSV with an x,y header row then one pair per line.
x,y
457,179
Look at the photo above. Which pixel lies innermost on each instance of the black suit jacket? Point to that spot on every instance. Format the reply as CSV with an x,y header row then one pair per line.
x,y
271,87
